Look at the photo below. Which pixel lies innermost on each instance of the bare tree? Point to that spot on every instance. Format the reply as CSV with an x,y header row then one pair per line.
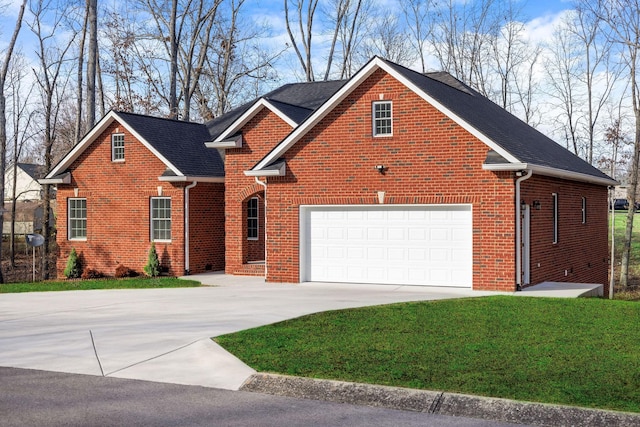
x,y
563,69
622,18
417,14
21,123
233,63
389,41
301,41
461,37
347,18
92,59
189,25
52,81
4,70
598,75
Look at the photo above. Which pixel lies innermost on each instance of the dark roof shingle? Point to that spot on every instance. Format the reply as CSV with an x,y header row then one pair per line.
x,y
516,137
181,143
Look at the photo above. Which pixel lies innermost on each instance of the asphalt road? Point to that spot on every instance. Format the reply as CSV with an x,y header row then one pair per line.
x,y
43,398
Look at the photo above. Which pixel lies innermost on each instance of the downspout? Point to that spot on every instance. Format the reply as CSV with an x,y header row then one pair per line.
x,y
528,175
186,226
264,184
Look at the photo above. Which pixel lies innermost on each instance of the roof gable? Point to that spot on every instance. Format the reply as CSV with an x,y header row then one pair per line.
x,y
293,103
519,145
179,145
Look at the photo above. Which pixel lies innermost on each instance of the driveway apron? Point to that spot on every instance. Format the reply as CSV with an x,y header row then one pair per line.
x,y
164,335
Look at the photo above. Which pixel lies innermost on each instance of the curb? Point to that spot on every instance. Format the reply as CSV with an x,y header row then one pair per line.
x,y
433,402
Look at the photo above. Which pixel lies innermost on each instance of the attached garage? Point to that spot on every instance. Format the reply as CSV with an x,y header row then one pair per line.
x,y
426,245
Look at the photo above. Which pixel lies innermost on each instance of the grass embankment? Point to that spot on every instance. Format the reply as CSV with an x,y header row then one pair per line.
x,y
580,352
77,285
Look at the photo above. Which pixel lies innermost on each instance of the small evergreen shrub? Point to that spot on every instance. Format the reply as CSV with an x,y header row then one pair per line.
x,y
73,268
152,268
123,271
90,273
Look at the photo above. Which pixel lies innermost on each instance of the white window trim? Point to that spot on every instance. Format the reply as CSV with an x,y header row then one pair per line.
x,y
151,220
584,210
69,219
556,217
374,119
257,218
113,148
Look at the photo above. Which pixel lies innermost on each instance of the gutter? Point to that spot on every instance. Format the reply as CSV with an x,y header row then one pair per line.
x,y
528,174
186,226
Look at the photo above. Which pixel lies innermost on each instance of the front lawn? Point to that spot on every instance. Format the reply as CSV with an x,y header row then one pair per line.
x,y
583,352
77,285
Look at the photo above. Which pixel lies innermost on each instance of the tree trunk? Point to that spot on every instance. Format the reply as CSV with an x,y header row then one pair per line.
x,y
92,57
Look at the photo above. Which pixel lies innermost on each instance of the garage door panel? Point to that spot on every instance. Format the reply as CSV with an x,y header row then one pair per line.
x,y
419,245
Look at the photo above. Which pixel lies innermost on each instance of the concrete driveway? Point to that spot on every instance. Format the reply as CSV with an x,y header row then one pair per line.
x,y
164,334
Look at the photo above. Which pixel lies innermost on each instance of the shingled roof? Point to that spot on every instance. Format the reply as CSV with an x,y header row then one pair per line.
x,y
181,143
178,144
512,143
521,140
296,100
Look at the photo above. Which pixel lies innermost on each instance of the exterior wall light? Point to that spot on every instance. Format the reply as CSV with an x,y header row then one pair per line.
x,y
380,168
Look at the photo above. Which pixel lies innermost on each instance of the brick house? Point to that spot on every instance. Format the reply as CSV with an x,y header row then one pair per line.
x,y
389,177
136,179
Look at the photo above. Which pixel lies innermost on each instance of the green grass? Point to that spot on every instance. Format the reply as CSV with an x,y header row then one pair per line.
x,y
582,352
76,285
620,223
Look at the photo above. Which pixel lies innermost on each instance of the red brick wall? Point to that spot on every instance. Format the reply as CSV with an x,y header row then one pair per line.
x,y
206,227
430,160
118,202
581,253
260,135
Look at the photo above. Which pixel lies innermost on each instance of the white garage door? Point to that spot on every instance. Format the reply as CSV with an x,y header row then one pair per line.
x,y
414,245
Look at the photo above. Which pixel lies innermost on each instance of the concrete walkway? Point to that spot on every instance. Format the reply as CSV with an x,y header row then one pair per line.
x,y
164,335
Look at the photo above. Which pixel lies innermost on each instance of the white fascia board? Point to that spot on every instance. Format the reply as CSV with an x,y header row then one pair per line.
x,y
552,172
102,125
249,114
233,142
185,178
320,113
509,167
277,169
65,178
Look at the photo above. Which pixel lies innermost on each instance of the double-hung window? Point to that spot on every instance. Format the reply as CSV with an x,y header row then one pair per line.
x,y
161,219
117,147
252,219
77,214
382,118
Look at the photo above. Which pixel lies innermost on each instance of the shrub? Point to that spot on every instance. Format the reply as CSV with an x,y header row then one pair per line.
x,y
90,273
123,271
73,268
152,268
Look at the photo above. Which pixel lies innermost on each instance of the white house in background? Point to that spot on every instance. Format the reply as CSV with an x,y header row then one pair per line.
x,y
27,186
28,198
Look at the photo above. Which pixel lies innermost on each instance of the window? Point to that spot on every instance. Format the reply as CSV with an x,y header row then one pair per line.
x,y
382,119
117,147
77,228
584,210
160,219
252,219
554,200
